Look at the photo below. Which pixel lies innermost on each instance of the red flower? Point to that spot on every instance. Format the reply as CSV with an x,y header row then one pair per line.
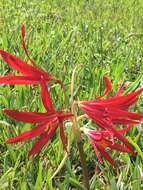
x,y
113,111
100,143
30,74
46,123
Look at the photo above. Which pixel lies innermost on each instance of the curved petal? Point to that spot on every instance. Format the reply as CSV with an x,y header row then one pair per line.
x,y
109,127
18,80
30,117
119,101
122,131
97,152
116,146
46,97
62,135
121,121
44,139
120,90
105,154
23,67
118,113
22,29
63,116
108,87
28,134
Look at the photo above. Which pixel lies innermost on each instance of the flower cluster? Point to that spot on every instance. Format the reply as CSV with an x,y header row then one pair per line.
x,y
100,142
108,114
46,123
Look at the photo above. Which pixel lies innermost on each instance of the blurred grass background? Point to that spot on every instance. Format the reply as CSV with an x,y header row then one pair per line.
x,y
106,36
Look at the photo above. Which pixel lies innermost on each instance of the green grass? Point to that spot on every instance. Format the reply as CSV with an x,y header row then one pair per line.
x,y
106,36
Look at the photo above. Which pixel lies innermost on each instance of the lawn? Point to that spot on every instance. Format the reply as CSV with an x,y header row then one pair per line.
x,y
106,38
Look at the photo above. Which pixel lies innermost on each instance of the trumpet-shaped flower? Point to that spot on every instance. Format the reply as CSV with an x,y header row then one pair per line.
x,y
107,113
100,141
46,123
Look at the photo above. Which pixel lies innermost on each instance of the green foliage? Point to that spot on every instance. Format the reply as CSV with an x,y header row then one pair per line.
x,y
106,36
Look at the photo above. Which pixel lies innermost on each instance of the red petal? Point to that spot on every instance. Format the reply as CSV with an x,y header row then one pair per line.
x,y
129,103
88,109
116,146
28,135
46,97
122,131
42,141
108,126
95,135
22,28
18,80
97,152
63,116
62,135
118,113
114,113
124,121
108,87
119,101
30,117
105,154
23,45
120,90
21,66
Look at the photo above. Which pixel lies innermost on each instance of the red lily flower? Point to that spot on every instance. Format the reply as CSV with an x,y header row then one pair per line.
x,y
100,143
46,123
113,111
30,74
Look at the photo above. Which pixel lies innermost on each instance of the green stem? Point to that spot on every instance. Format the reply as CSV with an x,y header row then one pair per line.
x,y
84,165
77,133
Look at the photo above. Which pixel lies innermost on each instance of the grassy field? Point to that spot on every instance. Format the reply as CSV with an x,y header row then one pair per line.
x,y
106,36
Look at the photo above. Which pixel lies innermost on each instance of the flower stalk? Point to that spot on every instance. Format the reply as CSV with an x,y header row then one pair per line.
x,y
77,134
